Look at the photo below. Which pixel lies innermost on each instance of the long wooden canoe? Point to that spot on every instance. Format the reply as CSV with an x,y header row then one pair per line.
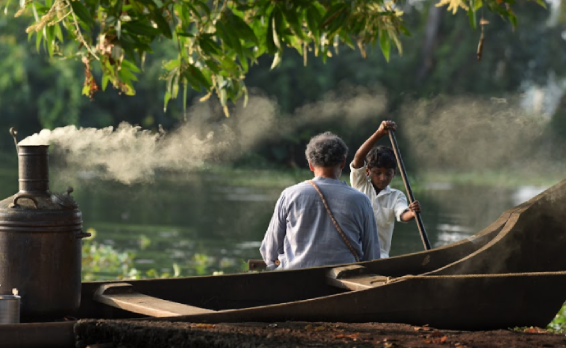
x,y
513,273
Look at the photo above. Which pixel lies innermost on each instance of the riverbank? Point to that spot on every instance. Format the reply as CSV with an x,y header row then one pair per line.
x,y
130,334
280,178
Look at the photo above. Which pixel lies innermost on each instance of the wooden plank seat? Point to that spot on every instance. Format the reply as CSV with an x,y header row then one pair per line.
x,y
123,296
354,277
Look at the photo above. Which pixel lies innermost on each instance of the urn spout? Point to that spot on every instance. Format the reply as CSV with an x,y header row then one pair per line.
x,y
33,169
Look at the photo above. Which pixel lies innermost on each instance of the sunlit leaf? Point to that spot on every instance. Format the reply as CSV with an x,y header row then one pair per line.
x,y
276,60
105,80
269,42
385,44
478,4
58,32
293,20
472,18
541,3
50,42
276,23
166,100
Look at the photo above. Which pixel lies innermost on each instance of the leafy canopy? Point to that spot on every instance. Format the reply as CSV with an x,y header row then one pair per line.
x,y
217,40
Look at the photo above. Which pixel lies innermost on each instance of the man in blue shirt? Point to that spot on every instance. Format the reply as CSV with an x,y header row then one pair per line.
x,y
302,233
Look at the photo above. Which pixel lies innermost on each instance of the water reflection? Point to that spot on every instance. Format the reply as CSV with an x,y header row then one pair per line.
x,y
524,193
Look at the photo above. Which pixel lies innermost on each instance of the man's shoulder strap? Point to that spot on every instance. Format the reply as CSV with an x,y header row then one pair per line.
x,y
340,231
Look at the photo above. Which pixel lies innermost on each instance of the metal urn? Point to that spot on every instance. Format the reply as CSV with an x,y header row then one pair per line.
x,y
40,242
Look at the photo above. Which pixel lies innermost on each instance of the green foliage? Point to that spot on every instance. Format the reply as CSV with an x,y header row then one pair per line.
x,y
104,262
202,264
216,40
558,325
144,242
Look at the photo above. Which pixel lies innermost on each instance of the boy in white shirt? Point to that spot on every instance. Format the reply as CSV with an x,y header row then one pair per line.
x,y
371,172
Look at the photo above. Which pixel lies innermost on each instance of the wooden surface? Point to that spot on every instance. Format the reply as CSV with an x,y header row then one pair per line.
x,y
123,296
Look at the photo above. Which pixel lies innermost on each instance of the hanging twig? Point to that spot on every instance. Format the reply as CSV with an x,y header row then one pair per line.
x,y
483,22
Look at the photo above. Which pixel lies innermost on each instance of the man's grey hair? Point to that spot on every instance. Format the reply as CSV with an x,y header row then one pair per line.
x,y
326,150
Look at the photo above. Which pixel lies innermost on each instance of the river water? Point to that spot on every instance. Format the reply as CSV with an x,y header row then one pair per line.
x,y
197,225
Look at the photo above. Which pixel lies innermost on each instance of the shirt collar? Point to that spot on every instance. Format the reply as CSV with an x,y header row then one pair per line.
x,y
385,191
322,179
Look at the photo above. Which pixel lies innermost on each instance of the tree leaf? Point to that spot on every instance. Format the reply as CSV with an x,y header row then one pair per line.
x,y
242,28
293,21
37,41
513,19
172,64
166,100
139,28
203,6
332,13
105,79
276,60
277,28
479,3
130,66
198,76
81,11
192,81
50,39
208,45
541,3
385,44
126,75
58,32
269,42
162,24
337,22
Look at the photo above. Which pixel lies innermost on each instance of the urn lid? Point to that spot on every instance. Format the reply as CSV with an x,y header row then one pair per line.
x,y
34,207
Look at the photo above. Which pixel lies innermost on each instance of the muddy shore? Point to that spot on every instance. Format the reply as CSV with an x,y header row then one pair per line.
x,y
132,334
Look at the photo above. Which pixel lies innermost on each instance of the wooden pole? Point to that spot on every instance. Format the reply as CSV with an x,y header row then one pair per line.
x,y
401,165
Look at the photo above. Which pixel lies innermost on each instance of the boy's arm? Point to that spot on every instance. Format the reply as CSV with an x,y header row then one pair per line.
x,y
362,152
411,213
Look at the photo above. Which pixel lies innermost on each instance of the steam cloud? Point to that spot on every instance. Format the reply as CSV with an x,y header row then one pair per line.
x,y
461,133
467,133
129,154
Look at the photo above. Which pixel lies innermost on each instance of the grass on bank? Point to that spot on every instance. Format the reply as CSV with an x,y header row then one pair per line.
x,y
558,325
280,178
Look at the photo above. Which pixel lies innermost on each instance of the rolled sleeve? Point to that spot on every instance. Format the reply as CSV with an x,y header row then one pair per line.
x,y
358,177
400,205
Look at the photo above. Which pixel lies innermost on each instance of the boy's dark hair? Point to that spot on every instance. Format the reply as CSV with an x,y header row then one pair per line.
x,y
326,150
381,157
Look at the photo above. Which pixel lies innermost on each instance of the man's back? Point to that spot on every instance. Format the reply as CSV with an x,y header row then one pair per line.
x,y
301,233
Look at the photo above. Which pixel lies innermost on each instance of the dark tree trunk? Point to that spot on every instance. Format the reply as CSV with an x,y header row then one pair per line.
x,y
431,34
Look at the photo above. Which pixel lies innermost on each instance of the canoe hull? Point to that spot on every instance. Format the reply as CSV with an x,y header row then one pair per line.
x,y
483,302
471,302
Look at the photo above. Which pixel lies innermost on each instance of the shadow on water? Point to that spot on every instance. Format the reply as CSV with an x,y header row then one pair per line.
x,y
201,224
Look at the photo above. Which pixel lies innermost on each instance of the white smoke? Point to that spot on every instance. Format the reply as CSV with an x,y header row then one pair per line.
x,y
130,154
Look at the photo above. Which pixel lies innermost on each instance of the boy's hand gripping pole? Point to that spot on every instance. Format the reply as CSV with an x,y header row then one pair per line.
x,y
401,165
